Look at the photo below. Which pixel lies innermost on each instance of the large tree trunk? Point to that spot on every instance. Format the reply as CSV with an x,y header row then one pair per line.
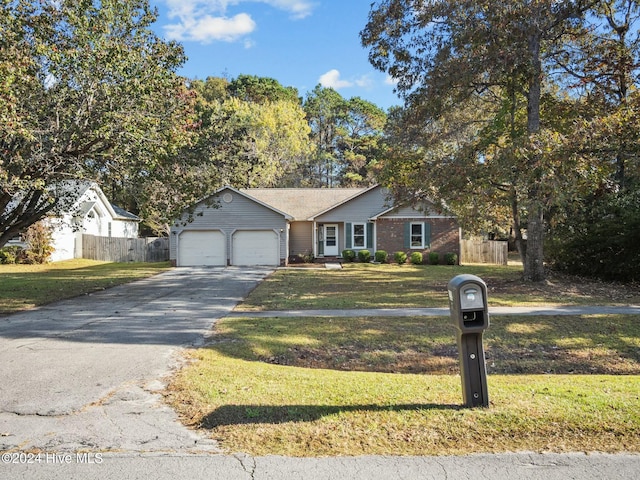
x,y
517,227
534,258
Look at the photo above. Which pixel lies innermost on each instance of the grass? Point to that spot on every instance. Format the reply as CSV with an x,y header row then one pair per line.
x,y
317,386
390,386
27,286
587,344
393,286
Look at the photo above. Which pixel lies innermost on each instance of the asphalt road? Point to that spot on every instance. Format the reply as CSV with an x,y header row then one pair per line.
x,y
81,383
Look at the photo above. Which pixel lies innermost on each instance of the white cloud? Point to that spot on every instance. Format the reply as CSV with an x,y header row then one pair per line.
x,y
206,20
207,28
332,79
364,81
298,8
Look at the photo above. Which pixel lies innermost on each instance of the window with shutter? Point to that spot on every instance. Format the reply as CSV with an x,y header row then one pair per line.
x,y
359,235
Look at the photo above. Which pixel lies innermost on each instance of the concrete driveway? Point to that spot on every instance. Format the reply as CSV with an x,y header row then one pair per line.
x,y
86,373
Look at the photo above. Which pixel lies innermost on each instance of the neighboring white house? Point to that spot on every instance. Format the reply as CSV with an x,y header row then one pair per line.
x,y
88,212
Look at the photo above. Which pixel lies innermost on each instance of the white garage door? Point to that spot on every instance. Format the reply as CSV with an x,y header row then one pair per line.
x,y
256,247
197,248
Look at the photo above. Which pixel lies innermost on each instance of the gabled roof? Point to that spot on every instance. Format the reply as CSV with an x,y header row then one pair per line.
x,y
357,194
245,193
75,190
122,214
304,203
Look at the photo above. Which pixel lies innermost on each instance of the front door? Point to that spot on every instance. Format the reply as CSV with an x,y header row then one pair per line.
x,y
331,240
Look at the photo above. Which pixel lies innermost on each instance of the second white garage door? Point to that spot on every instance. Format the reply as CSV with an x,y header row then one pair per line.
x,y
197,248
256,247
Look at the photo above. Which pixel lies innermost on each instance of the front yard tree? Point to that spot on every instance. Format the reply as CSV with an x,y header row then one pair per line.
x,y
444,53
603,70
87,91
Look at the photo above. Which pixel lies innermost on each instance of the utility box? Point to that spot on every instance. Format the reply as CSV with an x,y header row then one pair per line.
x,y
470,315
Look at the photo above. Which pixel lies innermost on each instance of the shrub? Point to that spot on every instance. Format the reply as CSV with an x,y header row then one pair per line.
x,y
600,241
381,256
400,257
450,258
348,255
306,257
364,256
10,254
416,258
434,258
38,238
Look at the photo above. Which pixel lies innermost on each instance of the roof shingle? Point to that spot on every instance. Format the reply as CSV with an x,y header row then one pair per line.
x,y
302,203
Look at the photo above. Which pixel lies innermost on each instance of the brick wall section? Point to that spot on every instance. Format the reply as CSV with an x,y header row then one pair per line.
x,y
445,235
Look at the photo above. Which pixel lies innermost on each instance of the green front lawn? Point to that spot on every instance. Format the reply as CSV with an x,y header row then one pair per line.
x,y
27,286
390,386
318,386
392,286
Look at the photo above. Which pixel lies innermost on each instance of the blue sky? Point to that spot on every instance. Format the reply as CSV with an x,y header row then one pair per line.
x,y
300,43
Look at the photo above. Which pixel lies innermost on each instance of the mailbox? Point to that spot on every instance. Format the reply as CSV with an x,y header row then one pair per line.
x,y
470,315
468,303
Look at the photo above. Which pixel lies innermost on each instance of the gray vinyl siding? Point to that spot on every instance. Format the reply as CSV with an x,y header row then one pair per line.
x,y
356,210
301,238
241,213
359,209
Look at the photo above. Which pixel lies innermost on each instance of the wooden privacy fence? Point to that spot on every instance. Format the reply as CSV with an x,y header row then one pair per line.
x,y
481,251
114,249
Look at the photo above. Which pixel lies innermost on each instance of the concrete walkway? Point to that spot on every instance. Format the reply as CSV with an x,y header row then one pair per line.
x,y
441,312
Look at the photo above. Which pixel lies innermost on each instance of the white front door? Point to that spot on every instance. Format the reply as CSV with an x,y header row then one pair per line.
x,y
331,240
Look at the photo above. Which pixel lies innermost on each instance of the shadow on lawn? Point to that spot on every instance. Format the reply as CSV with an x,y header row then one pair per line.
x,y
575,344
254,414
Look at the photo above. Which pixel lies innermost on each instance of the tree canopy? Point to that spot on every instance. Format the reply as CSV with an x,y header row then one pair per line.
x,y
491,116
347,139
88,91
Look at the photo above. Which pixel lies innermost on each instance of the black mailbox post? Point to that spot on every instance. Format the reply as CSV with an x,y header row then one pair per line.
x,y
470,315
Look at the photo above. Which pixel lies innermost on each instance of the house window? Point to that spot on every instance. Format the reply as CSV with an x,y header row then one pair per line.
x,y
359,235
417,235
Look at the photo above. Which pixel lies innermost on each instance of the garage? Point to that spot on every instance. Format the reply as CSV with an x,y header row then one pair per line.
x,y
201,247
256,247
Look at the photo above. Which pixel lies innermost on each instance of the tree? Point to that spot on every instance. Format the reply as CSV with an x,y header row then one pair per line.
x,y
444,53
347,136
255,89
602,67
91,92
361,147
254,141
437,161
598,235
326,112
